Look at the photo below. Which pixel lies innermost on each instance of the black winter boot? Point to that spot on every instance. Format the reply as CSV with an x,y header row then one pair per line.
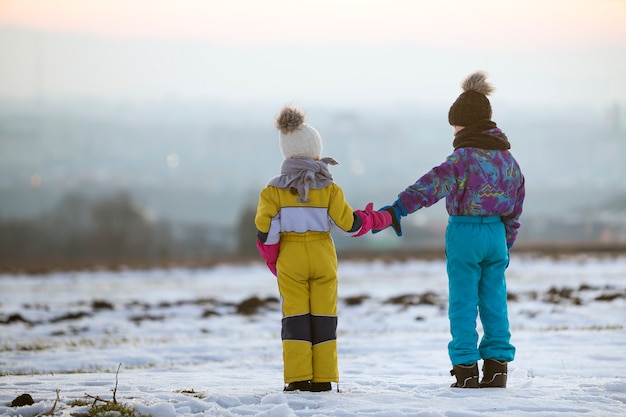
x,y
494,374
466,376
320,386
298,386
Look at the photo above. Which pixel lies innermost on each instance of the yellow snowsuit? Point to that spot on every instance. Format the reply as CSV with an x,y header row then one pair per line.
x,y
307,274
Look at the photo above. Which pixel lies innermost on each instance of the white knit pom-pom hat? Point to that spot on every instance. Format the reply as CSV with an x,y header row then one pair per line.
x,y
297,139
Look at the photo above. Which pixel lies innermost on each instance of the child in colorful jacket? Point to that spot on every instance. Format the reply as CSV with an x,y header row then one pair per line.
x,y
484,191
295,215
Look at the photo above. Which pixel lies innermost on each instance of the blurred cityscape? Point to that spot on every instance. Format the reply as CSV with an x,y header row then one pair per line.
x,y
116,182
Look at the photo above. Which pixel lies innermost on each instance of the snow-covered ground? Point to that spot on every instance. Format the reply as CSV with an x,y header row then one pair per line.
x,y
187,348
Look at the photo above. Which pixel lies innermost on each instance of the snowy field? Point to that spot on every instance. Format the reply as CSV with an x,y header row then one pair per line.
x,y
207,342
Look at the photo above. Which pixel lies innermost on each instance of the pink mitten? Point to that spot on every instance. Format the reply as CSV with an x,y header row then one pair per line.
x,y
270,254
377,220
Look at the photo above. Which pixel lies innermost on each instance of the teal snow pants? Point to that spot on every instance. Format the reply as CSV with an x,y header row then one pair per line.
x,y
476,258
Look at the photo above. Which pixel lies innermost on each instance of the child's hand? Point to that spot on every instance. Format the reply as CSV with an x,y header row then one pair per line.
x,y
270,254
397,211
372,219
395,220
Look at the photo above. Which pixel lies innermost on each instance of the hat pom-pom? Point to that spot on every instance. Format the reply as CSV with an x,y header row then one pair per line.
x,y
477,82
289,119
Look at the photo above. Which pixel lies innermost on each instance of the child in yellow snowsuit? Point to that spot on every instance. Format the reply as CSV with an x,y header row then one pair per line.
x,y
295,215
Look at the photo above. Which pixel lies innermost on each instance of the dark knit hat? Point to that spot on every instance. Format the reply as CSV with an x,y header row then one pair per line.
x,y
472,105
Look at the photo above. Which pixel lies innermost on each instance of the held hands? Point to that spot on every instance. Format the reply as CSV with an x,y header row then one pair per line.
x,y
372,219
397,211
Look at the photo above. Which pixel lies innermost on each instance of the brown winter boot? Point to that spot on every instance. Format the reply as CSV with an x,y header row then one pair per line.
x,y
320,386
466,376
298,386
494,374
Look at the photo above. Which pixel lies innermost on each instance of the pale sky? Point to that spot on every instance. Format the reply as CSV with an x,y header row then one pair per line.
x,y
483,23
325,51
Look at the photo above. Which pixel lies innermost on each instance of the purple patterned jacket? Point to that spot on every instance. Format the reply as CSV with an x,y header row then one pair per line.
x,y
475,182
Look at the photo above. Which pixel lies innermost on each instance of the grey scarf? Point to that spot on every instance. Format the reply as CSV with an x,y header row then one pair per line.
x,y
303,175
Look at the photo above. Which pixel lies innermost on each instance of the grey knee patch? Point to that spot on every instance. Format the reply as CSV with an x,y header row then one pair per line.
x,y
297,328
324,328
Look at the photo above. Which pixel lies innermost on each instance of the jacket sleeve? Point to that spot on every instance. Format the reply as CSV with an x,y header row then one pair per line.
x,y
436,184
343,219
267,218
511,222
